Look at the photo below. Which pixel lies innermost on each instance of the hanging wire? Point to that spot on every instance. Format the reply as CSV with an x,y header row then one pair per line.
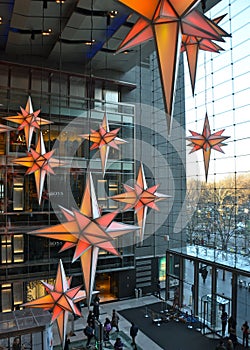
x,y
91,100
205,73
140,100
234,123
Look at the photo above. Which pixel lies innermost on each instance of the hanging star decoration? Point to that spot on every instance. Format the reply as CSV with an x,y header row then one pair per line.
x,y
165,21
207,141
40,163
104,139
61,300
192,44
140,198
28,120
87,231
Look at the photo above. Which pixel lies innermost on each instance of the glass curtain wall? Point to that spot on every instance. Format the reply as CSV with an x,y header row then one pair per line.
x,y
64,101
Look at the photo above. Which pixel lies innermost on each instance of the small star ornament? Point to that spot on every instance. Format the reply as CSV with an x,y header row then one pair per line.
x,y
28,120
140,198
87,231
61,300
166,21
104,139
207,141
40,163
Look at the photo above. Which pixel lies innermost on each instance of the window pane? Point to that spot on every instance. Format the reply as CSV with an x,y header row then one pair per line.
x,y
18,293
18,244
6,254
6,300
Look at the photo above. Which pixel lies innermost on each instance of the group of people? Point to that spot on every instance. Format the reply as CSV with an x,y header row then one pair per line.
x,y
108,325
230,342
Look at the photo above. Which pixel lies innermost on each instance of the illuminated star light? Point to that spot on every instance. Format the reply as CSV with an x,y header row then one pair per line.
x,y
87,232
28,120
165,21
207,141
61,299
192,45
40,163
140,198
104,139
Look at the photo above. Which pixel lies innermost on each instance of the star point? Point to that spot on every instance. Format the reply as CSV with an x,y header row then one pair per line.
x,y
207,141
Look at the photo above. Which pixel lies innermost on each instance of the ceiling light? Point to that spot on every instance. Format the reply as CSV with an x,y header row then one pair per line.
x,y
113,13
47,32
1,20
60,1
90,42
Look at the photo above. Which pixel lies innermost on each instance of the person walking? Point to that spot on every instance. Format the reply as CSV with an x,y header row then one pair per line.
x,y
158,289
96,308
107,328
224,318
133,334
89,332
245,333
115,320
118,344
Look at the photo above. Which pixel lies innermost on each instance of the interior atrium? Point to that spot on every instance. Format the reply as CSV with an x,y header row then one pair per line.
x,y
124,156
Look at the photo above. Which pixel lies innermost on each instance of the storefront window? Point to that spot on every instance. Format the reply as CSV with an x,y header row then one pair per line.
x,y
6,297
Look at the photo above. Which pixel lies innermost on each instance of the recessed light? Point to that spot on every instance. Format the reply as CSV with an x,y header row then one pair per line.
x,y
47,32
90,42
113,13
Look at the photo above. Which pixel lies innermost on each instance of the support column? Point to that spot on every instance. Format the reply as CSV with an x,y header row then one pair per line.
x,y
167,276
195,289
213,303
234,294
181,279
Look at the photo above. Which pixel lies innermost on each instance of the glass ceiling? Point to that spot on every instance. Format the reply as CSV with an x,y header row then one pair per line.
x,y
232,260
23,320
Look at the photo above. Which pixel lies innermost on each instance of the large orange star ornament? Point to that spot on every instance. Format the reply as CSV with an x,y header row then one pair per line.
x,y
40,163
166,21
207,141
140,198
28,120
61,300
87,231
104,139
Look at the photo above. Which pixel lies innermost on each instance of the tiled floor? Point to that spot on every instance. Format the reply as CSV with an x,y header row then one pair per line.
x,y
78,340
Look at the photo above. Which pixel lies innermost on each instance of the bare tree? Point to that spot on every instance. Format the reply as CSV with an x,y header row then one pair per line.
x,y
219,208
